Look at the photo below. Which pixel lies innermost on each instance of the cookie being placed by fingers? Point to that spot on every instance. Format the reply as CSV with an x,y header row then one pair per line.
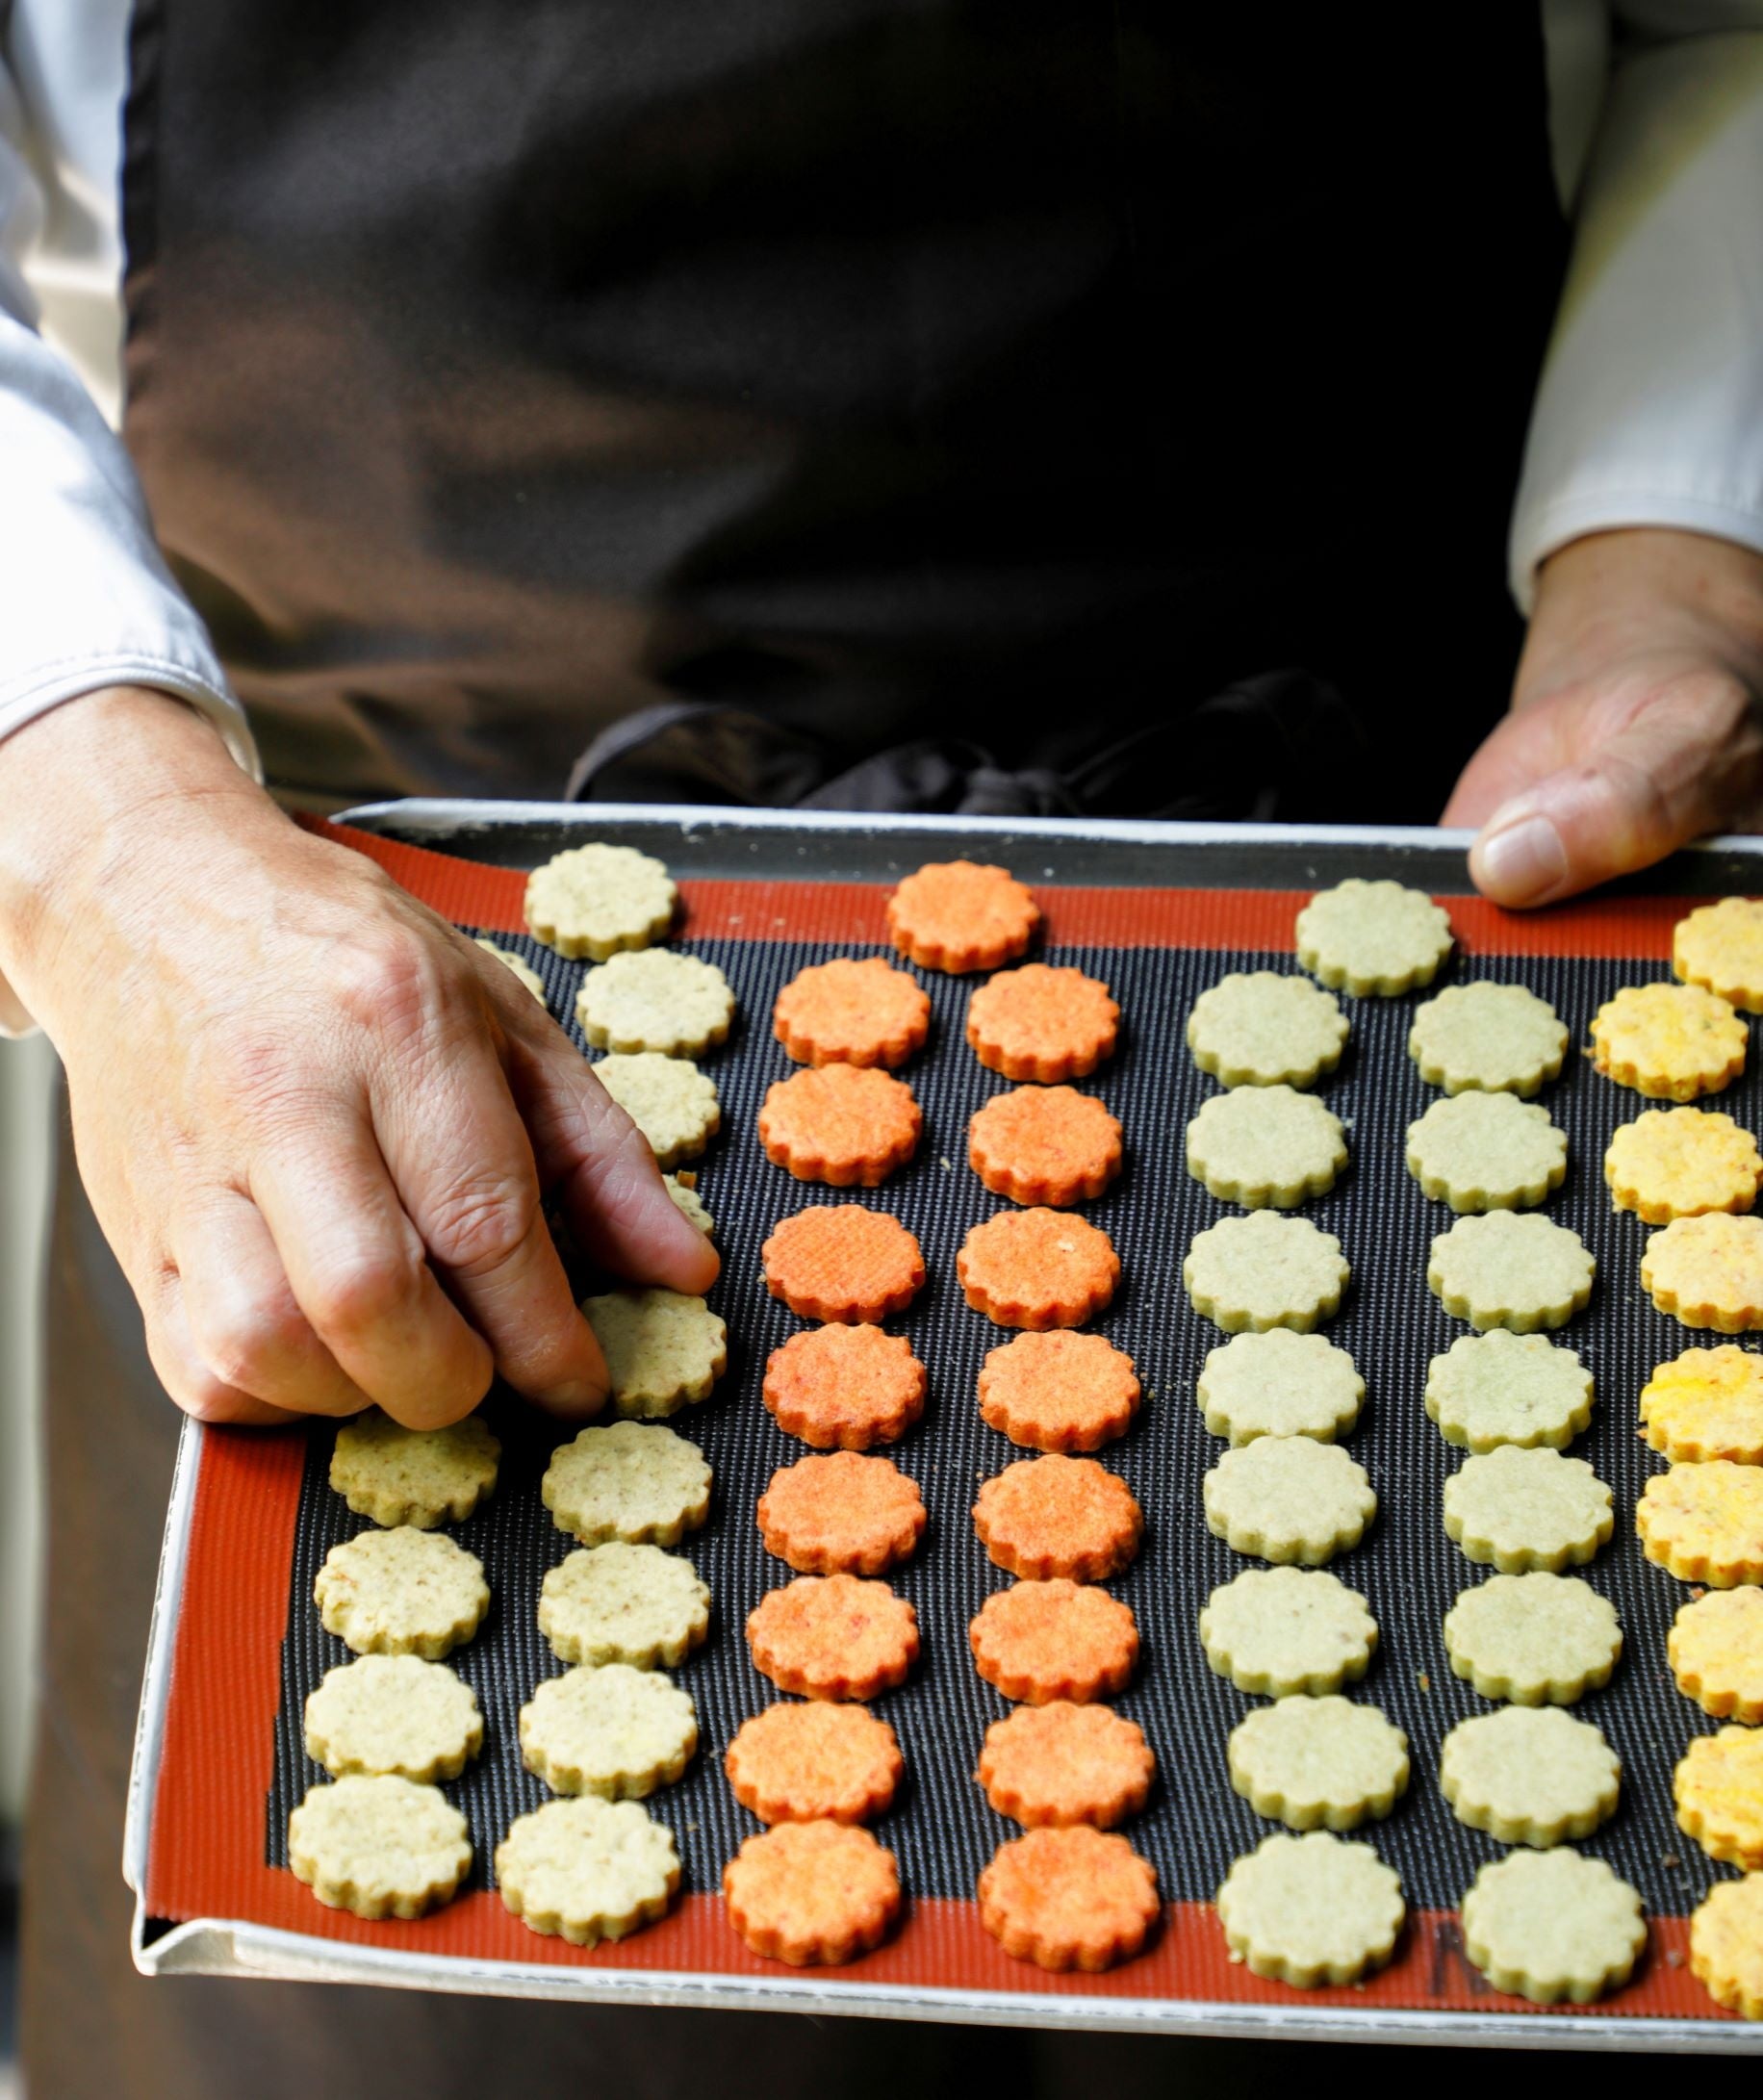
x,y
1529,1775
682,1191
1536,1639
595,900
1716,1653
1704,1524
960,916
381,1847
834,1637
1707,1273
630,1480
1718,1788
1037,1269
1670,1042
1487,1152
1720,947
1550,1926
815,1762
1064,1763
1266,1147
1508,1269
843,1263
1515,1509
663,1349
1049,1145
1706,1403
841,1515
1318,1764
1042,1641
1311,1911
813,1893
1288,1498
669,1099
394,1713
624,1603
401,1592
1500,1039
655,999
518,968
1057,1516
1279,1384
421,1477
848,1012
1070,1898
845,1388
1059,1391
1256,1028
1264,1270
1281,1631
1682,1162
587,1870
1043,1024
1726,1946
1504,1387
614,1731
848,1125
1372,939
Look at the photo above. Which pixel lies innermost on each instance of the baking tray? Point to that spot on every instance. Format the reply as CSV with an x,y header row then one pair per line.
x,y
1160,911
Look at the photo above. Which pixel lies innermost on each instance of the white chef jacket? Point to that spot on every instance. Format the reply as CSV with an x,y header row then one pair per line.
x,y
1650,411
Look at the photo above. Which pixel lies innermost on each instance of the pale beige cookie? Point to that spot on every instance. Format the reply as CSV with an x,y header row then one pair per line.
x,y
1372,939
1669,1042
1287,1631
1503,1387
1536,1639
1288,1498
1515,1509
1500,1039
614,1731
1552,1925
595,900
1487,1152
1704,1524
1318,1764
1707,1273
416,1476
517,967
401,1592
1264,1271
624,1603
1682,1162
1718,1788
1311,1911
1720,947
655,999
1706,1403
683,1190
1279,1384
669,1099
397,1714
663,1349
1511,1270
1716,1653
630,1480
1266,1147
1256,1028
383,1847
1529,1775
587,1870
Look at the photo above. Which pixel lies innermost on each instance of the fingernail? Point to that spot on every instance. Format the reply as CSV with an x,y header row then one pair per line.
x,y
1519,858
576,1396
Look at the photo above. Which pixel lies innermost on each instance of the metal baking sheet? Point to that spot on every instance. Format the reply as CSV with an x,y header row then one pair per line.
x,y
1195,1824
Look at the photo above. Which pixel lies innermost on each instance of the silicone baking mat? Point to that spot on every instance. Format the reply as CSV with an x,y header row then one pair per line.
x,y
249,1647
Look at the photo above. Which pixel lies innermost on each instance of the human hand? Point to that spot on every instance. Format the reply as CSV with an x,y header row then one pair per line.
x,y
315,1122
1637,716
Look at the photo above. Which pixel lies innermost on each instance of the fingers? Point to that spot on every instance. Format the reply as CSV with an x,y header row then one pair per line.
x,y
356,1266
180,1369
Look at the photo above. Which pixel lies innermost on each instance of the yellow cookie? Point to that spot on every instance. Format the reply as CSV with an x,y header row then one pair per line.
x,y
1707,1272
1726,1946
1668,1041
1720,947
1680,1162
1719,1791
1706,1403
1716,1652
1704,1524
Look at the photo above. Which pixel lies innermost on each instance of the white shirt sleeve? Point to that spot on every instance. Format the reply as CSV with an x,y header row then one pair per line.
x,y
1650,407
89,600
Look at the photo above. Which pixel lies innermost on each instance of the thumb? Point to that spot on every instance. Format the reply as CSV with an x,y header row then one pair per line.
x,y
1668,774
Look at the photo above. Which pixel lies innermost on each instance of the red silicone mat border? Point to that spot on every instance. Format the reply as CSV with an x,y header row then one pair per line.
x,y
205,1851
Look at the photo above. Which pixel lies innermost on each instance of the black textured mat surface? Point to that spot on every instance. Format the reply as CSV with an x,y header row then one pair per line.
x,y
942,1828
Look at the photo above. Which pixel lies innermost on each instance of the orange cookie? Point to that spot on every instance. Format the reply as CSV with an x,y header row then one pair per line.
x,y
958,916
848,1012
1063,1763
814,1763
1047,1517
1037,1269
1044,1144
841,1515
1043,1023
845,1388
1042,1641
812,1892
1059,1391
841,1262
834,1637
1069,1898
847,1126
